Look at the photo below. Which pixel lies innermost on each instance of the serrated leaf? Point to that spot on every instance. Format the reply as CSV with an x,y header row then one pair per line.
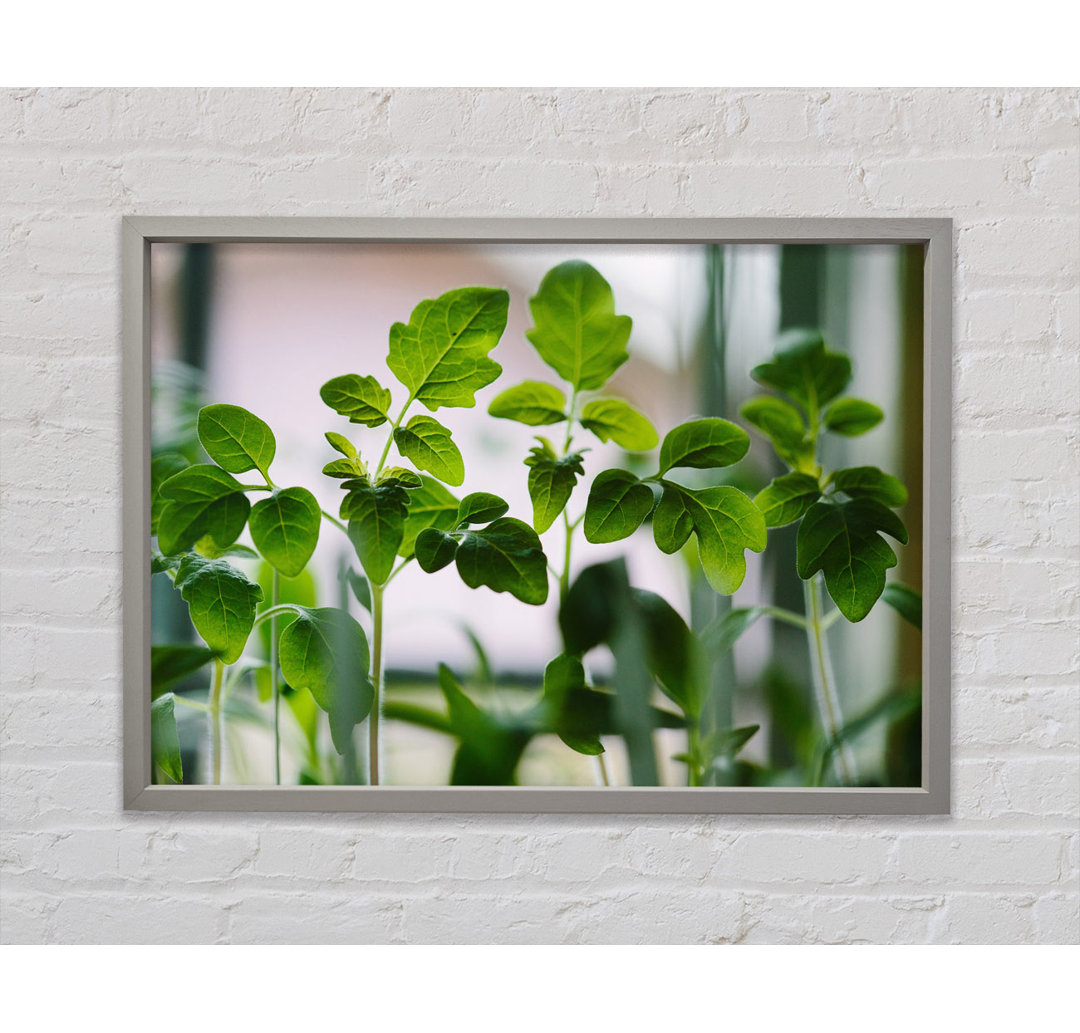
x,y
428,445
434,549
340,443
162,467
430,505
221,602
577,332
326,652
506,556
871,483
531,402
726,523
852,417
170,664
236,439
782,425
164,740
361,399
905,601
719,636
481,507
612,419
672,522
618,503
285,528
551,482
376,525
703,445
785,499
201,500
841,539
805,370
441,354
401,475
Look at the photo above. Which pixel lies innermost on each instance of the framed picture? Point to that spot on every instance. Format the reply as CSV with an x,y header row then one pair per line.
x,y
537,515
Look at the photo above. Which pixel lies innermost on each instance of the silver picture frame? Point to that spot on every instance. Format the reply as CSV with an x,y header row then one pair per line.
x,y
931,797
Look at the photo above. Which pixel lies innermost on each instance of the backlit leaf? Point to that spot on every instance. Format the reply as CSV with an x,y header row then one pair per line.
x,y
202,500
719,637
236,439
871,483
428,445
672,522
345,468
361,399
671,651
435,549
430,505
612,419
905,601
852,417
481,507
441,354
618,503
285,528
532,402
551,483
805,370
376,519
782,425
841,539
787,498
221,602
341,444
577,332
164,740
703,444
401,475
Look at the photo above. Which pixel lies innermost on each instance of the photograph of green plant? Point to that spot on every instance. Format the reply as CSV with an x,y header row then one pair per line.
x,y
540,515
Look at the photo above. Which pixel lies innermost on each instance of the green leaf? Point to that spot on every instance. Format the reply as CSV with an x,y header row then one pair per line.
x,y
428,445
360,399
430,505
703,445
401,475
782,425
719,636
360,588
341,444
481,507
726,523
532,402
615,420
202,500
376,518
905,601
871,483
618,503
299,590
671,651
221,602
852,417
551,482
345,468
285,528
162,467
577,332
805,370
587,614
506,556
441,354
326,652
170,664
787,498
564,678
841,539
164,740
672,522
724,743
235,439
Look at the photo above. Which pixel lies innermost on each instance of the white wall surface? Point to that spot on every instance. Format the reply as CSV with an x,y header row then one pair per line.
x,y
1004,867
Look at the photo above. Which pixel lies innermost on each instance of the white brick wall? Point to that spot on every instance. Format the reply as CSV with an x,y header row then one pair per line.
x,y
1005,164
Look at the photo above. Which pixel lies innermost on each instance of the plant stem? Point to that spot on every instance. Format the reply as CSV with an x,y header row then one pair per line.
x,y
376,681
215,723
390,437
275,595
334,520
564,578
824,690
602,766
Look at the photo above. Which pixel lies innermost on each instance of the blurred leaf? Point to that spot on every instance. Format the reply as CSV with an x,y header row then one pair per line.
x,y
164,740
532,402
221,602
891,707
852,417
299,590
326,652
804,369
787,498
905,601
430,505
360,588
236,439
440,355
361,399
615,420
671,652
285,528
587,614
719,636
903,748
484,673
782,425
564,677
551,482
703,445
618,503
842,541
169,664
577,332
428,445
202,500
869,482
163,466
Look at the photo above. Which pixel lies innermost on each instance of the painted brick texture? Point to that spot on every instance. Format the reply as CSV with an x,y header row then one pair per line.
x,y
1004,867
